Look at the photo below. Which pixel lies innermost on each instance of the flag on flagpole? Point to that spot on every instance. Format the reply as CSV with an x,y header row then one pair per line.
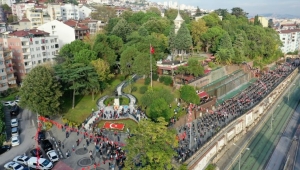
x,y
152,49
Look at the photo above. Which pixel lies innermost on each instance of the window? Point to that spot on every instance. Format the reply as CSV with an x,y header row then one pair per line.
x,y
3,77
1,62
36,42
31,49
2,70
53,27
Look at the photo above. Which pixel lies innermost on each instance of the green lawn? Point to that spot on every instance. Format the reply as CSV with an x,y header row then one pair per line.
x,y
84,103
110,101
139,83
130,124
9,97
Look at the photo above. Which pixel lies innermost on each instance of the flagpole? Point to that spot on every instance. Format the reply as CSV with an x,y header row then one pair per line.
x,y
150,65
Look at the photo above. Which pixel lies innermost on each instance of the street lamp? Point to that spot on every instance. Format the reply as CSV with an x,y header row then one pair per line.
x,y
240,154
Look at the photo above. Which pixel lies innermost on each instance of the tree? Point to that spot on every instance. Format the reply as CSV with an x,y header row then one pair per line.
x,y
85,56
211,38
75,76
151,95
127,59
102,69
151,147
143,31
238,48
171,14
183,40
159,108
103,13
154,10
189,95
195,67
68,51
12,18
198,12
92,84
238,12
141,64
41,92
212,20
172,38
111,24
222,12
122,29
197,29
5,7
256,21
223,56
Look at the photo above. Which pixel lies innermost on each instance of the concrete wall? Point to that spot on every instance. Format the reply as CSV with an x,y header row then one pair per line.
x,y
215,148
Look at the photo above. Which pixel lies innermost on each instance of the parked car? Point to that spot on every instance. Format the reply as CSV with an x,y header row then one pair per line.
x,y
36,152
13,166
14,131
9,103
17,102
41,136
46,145
14,111
42,163
14,122
23,159
15,141
4,148
52,156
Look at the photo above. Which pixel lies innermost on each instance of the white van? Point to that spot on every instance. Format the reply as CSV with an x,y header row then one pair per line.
x,y
43,163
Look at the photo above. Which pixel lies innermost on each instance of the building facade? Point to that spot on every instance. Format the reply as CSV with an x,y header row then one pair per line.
x,y
35,16
85,11
54,11
80,29
65,33
7,71
69,11
290,40
19,9
29,48
264,22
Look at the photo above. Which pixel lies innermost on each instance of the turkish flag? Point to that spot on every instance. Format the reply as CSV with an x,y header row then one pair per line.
x,y
152,50
118,126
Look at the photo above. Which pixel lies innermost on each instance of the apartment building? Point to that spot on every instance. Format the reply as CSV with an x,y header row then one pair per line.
x,y
264,22
54,11
65,33
85,11
7,77
69,11
35,16
19,9
91,24
30,48
290,40
80,29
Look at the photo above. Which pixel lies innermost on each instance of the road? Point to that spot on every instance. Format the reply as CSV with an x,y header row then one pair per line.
x,y
291,155
264,142
27,135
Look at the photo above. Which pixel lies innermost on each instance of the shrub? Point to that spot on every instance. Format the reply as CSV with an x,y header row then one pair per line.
x,y
134,88
147,81
162,79
122,77
155,77
211,65
143,89
168,80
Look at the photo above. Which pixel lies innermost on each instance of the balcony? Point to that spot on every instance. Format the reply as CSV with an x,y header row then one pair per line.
x,y
8,57
10,71
12,78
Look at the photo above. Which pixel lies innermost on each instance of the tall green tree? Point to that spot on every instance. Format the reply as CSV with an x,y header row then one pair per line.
x,y
238,12
197,29
183,39
211,39
238,47
172,38
212,20
85,56
127,59
222,12
198,12
76,77
67,52
141,64
189,95
122,29
195,67
151,147
41,92
159,108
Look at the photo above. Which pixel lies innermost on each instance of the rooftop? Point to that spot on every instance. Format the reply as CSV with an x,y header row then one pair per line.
x,y
26,33
289,31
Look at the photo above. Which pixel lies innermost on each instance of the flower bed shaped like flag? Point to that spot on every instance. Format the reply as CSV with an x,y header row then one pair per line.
x,y
118,126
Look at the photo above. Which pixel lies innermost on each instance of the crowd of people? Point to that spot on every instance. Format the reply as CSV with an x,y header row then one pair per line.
x,y
192,136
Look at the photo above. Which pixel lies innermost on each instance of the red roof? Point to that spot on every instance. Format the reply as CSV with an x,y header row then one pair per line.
x,y
24,20
202,94
76,24
24,33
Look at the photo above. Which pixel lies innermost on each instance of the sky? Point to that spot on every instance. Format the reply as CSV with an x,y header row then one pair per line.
x,y
253,7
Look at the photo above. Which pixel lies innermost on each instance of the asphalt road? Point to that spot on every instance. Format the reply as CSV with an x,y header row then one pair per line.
x,y
27,134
